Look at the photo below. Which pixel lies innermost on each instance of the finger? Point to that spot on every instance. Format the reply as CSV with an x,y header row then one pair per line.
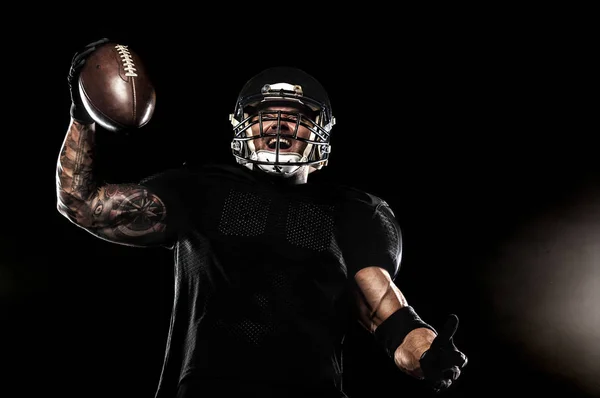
x,y
449,329
87,50
442,385
79,59
97,42
75,67
452,373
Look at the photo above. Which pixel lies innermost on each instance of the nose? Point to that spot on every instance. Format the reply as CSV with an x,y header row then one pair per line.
x,y
284,127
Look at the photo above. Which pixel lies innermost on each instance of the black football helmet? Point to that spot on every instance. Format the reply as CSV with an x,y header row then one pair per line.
x,y
287,87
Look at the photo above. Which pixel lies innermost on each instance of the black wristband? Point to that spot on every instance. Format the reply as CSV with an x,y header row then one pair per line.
x,y
79,113
392,331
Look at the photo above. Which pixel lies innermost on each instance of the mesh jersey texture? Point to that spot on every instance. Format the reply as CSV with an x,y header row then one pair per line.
x,y
262,274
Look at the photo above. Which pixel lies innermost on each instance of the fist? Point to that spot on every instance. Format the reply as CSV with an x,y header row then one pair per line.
x,y
442,362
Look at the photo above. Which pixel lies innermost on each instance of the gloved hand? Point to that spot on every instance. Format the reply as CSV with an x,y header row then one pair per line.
x,y
78,111
442,362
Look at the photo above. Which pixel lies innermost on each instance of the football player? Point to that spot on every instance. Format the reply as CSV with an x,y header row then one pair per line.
x,y
270,266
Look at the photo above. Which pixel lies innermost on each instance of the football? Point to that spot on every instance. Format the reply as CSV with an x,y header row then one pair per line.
x,y
115,88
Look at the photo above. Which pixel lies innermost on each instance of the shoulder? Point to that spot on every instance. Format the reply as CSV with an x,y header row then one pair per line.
x,y
356,198
199,173
224,172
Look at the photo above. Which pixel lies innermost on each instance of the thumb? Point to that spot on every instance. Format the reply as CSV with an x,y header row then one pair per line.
x,y
447,333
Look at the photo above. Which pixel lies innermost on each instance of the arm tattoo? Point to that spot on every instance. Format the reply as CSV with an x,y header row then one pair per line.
x,y
122,213
74,173
128,212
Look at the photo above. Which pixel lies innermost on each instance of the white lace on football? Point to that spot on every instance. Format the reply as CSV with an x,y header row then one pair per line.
x,y
127,60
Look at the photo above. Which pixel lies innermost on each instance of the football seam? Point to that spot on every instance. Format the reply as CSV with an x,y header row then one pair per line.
x,y
125,61
133,86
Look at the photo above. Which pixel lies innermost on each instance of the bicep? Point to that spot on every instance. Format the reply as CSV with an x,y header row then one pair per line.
x,y
128,214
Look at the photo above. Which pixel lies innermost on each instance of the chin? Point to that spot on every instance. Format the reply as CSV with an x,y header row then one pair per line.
x,y
286,171
295,174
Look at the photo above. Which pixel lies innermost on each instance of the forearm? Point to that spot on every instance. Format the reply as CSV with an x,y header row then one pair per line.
x,y
76,186
378,298
123,213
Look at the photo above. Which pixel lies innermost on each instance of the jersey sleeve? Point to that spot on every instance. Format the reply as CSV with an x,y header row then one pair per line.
x,y
174,187
370,235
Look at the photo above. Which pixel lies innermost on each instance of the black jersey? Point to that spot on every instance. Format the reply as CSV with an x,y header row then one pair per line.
x,y
262,272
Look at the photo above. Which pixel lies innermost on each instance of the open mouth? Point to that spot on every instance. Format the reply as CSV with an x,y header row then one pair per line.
x,y
284,143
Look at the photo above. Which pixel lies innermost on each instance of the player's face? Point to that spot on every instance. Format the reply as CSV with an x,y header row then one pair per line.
x,y
287,125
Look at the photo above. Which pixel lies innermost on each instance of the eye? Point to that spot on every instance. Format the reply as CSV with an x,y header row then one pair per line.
x,y
291,117
286,117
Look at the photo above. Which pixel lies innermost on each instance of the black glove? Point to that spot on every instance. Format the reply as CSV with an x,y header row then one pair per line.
x,y
78,111
442,362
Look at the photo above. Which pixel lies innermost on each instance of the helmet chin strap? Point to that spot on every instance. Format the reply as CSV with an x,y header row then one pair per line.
x,y
287,157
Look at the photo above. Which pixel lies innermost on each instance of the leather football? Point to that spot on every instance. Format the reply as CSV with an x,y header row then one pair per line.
x,y
115,88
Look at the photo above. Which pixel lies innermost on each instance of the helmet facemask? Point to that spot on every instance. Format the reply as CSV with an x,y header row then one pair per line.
x,y
280,131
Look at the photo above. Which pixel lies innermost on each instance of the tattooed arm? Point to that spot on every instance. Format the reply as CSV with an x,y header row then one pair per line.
x,y
127,214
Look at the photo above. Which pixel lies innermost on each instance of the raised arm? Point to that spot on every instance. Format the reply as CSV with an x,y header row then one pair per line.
x,y
127,214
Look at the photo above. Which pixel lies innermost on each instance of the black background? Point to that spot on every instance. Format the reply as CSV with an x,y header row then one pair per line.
x,y
469,130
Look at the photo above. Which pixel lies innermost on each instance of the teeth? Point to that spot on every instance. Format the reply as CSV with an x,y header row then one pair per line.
x,y
283,140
